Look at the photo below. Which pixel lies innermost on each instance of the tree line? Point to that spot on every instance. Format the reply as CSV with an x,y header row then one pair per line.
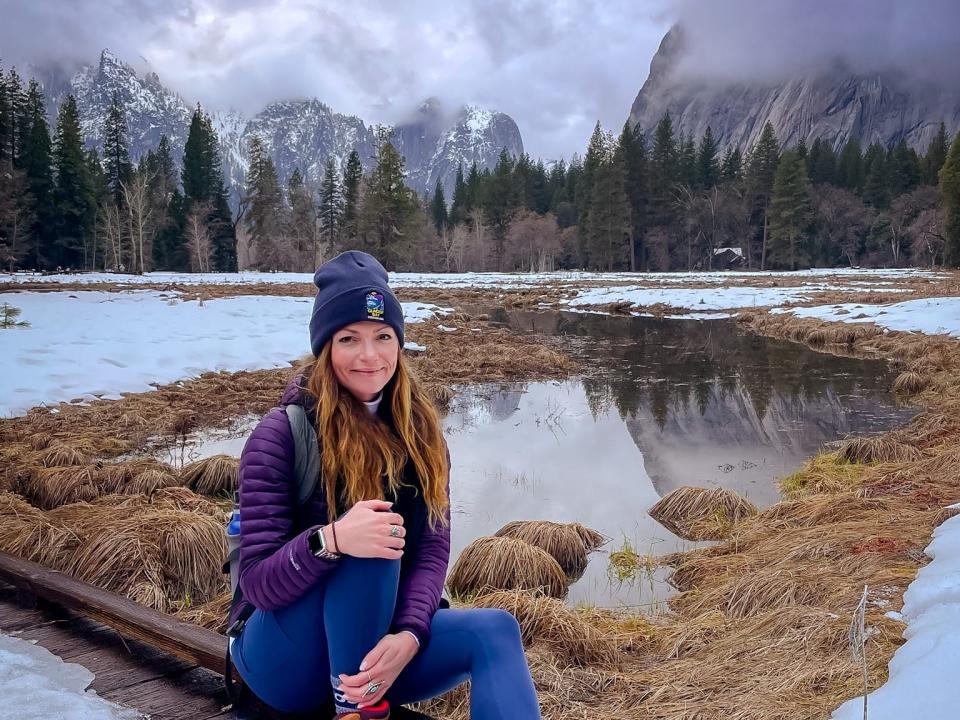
x,y
64,206
629,203
672,203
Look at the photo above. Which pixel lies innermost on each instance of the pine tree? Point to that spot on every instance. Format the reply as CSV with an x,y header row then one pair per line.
x,y
821,163
688,162
264,218
732,166
789,212
850,167
352,176
36,161
16,210
708,167
6,125
474,188
541,188
936,156
169,245
609,218
632,149
875,185
389,213
73,197
584,194
18,125
949,177
904,172
331,205
664,173
303,219
115,153
438,209
203,184
458,209
500,203
761,173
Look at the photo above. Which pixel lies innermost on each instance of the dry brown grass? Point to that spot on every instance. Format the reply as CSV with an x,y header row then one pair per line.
x,y
881,449
51,487
216,475
695,513
562,541
501,563
26,532
62,455
910,382
154,555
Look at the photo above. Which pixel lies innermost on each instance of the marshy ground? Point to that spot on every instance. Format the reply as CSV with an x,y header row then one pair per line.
x,y
759,625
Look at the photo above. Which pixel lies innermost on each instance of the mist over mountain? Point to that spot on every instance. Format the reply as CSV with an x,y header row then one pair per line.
x,y
297,133
872,71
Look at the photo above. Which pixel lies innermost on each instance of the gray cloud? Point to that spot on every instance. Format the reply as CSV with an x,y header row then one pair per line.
x,y
555,67
770,40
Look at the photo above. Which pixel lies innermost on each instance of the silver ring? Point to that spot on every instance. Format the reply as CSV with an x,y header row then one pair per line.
x,y
394,531
372,690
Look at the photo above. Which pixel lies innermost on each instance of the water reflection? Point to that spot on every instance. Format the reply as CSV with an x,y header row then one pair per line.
x,y
666,403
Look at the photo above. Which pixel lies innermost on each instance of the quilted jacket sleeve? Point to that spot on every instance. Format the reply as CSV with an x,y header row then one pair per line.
x,y
420,589
276,565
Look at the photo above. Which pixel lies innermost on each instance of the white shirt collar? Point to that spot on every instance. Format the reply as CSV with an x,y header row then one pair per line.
x,y
372,405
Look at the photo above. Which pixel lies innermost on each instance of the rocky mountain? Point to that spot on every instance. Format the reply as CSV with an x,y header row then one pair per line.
x,y
834,103
297,133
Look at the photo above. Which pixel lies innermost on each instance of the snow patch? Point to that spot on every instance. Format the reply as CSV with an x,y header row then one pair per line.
x,y
35,684
88,344
922,681
931,316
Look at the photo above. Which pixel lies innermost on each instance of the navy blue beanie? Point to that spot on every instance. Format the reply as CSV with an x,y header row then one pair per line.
x,y
352,287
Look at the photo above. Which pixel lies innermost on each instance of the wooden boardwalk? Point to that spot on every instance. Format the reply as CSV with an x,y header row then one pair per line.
x,y
127,672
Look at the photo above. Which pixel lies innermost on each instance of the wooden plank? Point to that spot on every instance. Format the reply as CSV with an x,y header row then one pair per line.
x,y
195,694
188,642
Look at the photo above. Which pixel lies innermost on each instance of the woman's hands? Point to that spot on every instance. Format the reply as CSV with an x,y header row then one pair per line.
x,y
370,530
379,669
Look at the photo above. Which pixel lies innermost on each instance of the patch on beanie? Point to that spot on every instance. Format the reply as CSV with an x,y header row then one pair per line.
x,y
375,305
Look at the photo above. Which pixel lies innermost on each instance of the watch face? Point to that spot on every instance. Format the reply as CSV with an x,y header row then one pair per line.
x,y
315,542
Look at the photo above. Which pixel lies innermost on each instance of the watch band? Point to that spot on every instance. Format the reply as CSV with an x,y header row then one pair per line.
x,y
318,546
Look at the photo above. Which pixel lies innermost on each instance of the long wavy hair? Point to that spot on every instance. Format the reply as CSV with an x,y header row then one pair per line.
x,y
359,449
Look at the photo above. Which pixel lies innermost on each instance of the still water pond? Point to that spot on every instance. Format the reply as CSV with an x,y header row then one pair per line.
x,y
664,403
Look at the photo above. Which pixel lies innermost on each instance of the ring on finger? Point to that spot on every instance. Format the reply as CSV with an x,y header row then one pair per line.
x,y
372,690
395,531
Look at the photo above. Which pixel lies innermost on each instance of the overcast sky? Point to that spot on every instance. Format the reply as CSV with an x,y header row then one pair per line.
x,y
555,67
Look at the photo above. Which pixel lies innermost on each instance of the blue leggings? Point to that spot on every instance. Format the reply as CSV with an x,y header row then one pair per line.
x,y
287,656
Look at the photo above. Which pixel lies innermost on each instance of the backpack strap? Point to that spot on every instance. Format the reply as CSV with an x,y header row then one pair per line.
x,y
306,456
306,474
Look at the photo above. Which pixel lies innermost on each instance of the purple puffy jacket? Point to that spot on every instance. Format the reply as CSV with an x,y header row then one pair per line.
x,y
276,565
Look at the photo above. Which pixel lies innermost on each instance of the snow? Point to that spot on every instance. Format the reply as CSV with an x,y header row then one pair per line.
x,y
700,299
922,682
931,316
870,278
88,344
35,684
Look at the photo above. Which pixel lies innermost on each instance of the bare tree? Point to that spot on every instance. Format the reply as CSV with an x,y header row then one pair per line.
x,y
927,235
112,231
903,212
198,237
139,210
842,219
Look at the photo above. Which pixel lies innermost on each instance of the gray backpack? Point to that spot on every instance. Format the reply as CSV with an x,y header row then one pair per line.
x,y
306,474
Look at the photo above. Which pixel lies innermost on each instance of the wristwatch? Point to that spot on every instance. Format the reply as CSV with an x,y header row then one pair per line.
x,y
318,546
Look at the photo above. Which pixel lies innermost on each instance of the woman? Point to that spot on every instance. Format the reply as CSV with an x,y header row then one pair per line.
x,y
347,587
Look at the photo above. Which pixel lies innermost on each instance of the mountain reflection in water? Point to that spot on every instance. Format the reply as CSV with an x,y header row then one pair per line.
x,y
664,403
